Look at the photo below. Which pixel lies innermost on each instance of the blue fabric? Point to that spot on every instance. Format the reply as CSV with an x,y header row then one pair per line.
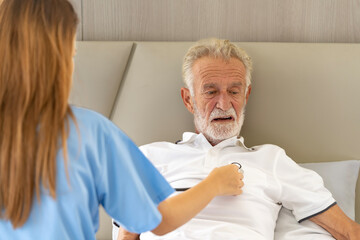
x,y
104,167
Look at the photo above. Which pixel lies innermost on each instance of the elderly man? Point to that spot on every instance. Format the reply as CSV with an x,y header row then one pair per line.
x,y
217,76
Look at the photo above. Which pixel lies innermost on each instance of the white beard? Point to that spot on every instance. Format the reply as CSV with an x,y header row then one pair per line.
x,y
217,132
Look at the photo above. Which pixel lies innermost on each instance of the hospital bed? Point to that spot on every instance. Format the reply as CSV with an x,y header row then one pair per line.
x,y
305,98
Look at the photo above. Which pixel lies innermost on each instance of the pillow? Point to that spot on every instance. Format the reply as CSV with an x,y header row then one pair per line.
x,y
340,178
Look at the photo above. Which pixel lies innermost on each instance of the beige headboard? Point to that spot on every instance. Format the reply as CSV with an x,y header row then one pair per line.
x,y
305,97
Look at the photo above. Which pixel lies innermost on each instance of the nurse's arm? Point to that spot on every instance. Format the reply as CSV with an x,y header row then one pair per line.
x,y
340,226
179,209
125,235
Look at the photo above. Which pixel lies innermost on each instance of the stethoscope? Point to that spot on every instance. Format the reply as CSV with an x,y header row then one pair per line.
x,y
240,170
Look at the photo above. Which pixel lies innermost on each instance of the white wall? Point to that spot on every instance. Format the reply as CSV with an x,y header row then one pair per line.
x,y
237,20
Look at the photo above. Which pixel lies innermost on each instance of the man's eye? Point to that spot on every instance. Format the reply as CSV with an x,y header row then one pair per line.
x,y
210,92
234,92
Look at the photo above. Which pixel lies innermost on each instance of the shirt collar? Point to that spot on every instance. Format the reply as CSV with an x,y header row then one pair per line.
x,y
240,142
189,137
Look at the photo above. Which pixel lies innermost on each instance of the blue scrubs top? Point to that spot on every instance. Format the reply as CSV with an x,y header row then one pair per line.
x,y
104,167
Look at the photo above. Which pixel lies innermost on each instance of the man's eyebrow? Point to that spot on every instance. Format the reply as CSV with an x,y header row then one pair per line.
x,y
213,85
209,85
237,84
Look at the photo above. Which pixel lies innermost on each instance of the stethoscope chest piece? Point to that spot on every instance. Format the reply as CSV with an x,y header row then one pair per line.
x,y
240,170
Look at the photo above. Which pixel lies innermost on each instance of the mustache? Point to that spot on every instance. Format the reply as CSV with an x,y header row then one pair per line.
x,y
218,113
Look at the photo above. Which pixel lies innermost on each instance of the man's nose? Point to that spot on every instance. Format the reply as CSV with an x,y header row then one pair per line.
x,y
224,102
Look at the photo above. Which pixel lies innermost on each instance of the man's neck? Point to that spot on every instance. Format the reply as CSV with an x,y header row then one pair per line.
x,y
215,142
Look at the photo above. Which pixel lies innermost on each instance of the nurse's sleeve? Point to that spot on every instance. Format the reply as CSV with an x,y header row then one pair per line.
x,y
302,190
129,186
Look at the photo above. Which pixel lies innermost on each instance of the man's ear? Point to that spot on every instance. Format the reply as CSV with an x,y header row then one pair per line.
x,y
248,93
186,97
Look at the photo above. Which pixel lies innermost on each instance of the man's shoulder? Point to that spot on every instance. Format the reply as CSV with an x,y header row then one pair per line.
x,y
187,139
270,147
157,145
268,151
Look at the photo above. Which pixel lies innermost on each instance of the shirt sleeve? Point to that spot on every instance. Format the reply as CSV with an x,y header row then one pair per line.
x,y
129,186
302,190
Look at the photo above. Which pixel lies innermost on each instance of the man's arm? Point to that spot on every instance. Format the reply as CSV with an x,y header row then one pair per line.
x,y
340,226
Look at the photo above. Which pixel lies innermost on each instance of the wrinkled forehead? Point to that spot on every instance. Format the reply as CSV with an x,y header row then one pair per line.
x,y
209,70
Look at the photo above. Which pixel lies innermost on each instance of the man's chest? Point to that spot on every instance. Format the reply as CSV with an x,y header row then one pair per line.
x,y
185,167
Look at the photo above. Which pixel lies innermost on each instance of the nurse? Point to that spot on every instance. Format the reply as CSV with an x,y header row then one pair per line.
x,y
58,163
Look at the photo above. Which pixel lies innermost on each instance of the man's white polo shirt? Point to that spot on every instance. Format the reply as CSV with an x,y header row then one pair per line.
x,y
271,179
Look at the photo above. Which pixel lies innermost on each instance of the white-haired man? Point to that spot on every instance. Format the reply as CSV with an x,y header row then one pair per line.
x,y
217,76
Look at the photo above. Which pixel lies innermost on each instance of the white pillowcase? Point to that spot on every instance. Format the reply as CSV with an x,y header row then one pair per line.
x,y
340,178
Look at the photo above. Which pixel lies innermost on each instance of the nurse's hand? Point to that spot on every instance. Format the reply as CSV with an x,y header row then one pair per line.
x,y
226,180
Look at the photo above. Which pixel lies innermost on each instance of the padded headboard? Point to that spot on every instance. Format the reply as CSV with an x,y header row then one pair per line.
x,y
305,97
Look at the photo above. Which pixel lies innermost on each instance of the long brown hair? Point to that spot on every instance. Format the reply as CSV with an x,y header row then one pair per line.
x,y
36,49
